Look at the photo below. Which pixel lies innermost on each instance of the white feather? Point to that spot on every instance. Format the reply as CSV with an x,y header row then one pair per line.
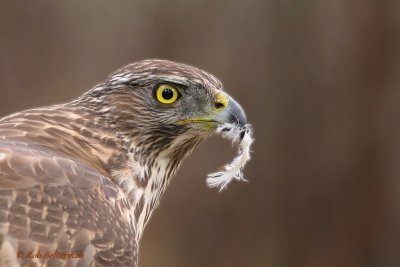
x,y
233,170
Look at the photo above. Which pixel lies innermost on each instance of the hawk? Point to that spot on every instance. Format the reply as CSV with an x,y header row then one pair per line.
x,y
80,180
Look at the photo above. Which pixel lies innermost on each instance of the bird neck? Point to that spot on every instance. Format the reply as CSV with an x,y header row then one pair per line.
x,y
154,180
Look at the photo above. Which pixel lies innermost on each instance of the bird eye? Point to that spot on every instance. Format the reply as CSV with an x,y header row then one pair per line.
x,y
167,94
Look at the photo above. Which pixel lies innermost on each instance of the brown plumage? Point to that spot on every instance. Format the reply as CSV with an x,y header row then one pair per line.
x,y
79,181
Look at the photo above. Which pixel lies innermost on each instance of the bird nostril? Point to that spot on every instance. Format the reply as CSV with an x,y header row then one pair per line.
x,y
219,105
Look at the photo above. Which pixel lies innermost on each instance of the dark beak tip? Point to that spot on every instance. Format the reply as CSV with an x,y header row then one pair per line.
x,y
237,115
240,120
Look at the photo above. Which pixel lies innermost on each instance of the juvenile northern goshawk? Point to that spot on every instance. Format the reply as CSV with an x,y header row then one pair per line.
x,y
79,181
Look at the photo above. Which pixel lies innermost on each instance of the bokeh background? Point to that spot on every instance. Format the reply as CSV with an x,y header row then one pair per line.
x,y
320,81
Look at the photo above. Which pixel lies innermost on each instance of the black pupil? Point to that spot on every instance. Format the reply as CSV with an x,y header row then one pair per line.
x,y
167,94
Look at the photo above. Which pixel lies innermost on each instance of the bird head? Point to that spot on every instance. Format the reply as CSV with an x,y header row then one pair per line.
x,y
163,100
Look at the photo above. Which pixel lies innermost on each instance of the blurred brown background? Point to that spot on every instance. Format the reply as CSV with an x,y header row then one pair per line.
x,y
319,81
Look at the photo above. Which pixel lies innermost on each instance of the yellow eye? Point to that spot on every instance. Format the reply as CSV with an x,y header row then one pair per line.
x,y
167,94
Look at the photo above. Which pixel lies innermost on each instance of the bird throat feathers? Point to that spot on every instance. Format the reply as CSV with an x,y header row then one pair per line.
x,y
147,175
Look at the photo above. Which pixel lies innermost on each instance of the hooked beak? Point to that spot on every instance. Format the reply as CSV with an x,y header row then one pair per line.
x,y
229,111
233,113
